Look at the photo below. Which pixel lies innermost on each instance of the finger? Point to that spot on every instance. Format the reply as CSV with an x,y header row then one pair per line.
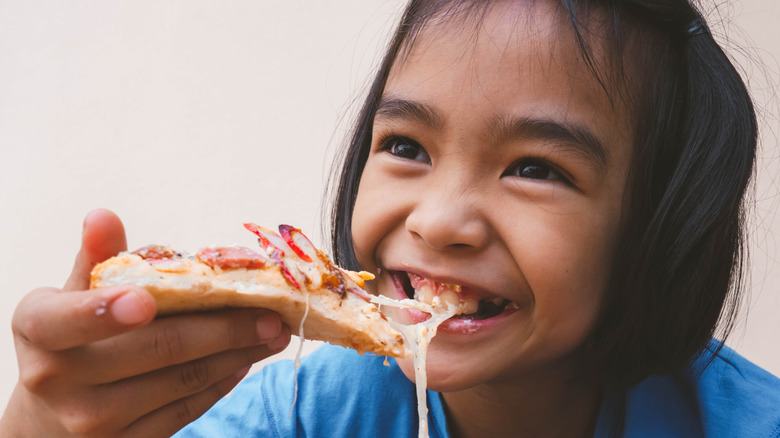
x,y
149,392
179,339
52,320
103,411
171,418
103,236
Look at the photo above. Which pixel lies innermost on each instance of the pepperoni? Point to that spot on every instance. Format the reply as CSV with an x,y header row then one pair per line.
x,y
158,252
231,257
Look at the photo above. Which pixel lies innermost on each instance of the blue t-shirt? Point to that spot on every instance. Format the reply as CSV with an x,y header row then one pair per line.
x,y
343,394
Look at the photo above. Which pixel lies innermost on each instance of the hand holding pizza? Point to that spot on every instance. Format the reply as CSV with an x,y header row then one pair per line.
x,y
97,363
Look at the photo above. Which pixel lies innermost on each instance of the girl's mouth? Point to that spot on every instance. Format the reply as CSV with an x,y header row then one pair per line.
x,y
475,307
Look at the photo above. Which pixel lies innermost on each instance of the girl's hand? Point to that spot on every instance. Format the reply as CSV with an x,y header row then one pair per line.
x,y
97,363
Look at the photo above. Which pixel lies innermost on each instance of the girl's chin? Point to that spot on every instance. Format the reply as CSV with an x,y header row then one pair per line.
x,y
456,342
441,375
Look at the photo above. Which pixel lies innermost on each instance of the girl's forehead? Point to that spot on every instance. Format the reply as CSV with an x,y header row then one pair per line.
x,y
532,38
469,23
519,55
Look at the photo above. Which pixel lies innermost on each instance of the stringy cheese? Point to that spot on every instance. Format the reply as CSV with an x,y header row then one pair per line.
x,y
298,353
418,337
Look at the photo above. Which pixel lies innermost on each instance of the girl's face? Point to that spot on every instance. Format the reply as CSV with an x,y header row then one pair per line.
x,y
498,164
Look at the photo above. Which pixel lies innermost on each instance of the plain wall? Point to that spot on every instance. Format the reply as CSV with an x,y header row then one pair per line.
x,y
188,118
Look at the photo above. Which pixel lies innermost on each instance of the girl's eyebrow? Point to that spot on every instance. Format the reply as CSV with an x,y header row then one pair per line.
x,y
395,108
584,142
504,128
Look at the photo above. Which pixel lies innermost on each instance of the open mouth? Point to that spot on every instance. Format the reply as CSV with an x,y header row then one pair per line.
x,y
474,308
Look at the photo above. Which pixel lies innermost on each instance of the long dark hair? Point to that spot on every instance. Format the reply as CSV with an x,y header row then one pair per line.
x,y
681,259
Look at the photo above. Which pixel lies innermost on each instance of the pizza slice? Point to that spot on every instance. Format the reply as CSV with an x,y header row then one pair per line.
x,y
288,275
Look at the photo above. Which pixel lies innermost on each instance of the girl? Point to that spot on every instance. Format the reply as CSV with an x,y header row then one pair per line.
x,y
577,168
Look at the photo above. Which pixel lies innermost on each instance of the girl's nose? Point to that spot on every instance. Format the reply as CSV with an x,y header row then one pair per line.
x,y
445,221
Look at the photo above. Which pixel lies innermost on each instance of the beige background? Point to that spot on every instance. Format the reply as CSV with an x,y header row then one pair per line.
x,y
189,117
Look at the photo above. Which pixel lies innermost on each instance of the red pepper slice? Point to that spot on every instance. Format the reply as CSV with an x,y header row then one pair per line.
x,y
276,253
290,234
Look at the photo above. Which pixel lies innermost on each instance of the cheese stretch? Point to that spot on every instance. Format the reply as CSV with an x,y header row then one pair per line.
x,y
417,338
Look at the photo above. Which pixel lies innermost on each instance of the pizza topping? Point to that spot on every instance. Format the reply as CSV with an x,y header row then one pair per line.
x,y
299,243
229,257
360,277
156,252
169,265
332,277
360,293
162,258
315,262
272,244
334,281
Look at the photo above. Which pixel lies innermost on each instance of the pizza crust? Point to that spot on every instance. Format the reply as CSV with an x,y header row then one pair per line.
x,y
186,285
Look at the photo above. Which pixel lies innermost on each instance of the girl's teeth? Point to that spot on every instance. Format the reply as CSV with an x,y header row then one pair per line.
x,y
470,306
449,298
425,294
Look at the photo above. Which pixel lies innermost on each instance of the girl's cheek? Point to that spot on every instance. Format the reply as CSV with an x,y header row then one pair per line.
x,y
359,237
383,202
366,219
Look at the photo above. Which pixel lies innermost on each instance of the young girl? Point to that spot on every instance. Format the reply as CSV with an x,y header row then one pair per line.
x,y
575,167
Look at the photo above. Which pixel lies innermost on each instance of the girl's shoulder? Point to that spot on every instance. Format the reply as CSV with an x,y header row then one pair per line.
x,y
737,397
720,395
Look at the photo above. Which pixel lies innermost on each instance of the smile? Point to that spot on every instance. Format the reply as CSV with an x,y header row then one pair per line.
x,y
475,305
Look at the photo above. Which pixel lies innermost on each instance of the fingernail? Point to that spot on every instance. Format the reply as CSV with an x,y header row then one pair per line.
x,y
129,309
268,328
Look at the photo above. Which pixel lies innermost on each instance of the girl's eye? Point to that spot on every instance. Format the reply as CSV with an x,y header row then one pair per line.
x,y
533,169
405,148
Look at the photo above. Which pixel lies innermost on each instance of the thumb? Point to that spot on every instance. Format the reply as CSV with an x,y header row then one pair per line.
x,y
102,237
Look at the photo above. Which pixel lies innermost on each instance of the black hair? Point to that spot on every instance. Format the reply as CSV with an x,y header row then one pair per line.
x,y
681,258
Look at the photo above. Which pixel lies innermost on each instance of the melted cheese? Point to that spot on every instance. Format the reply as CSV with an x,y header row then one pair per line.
x,y
418,337
300,276
298,353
